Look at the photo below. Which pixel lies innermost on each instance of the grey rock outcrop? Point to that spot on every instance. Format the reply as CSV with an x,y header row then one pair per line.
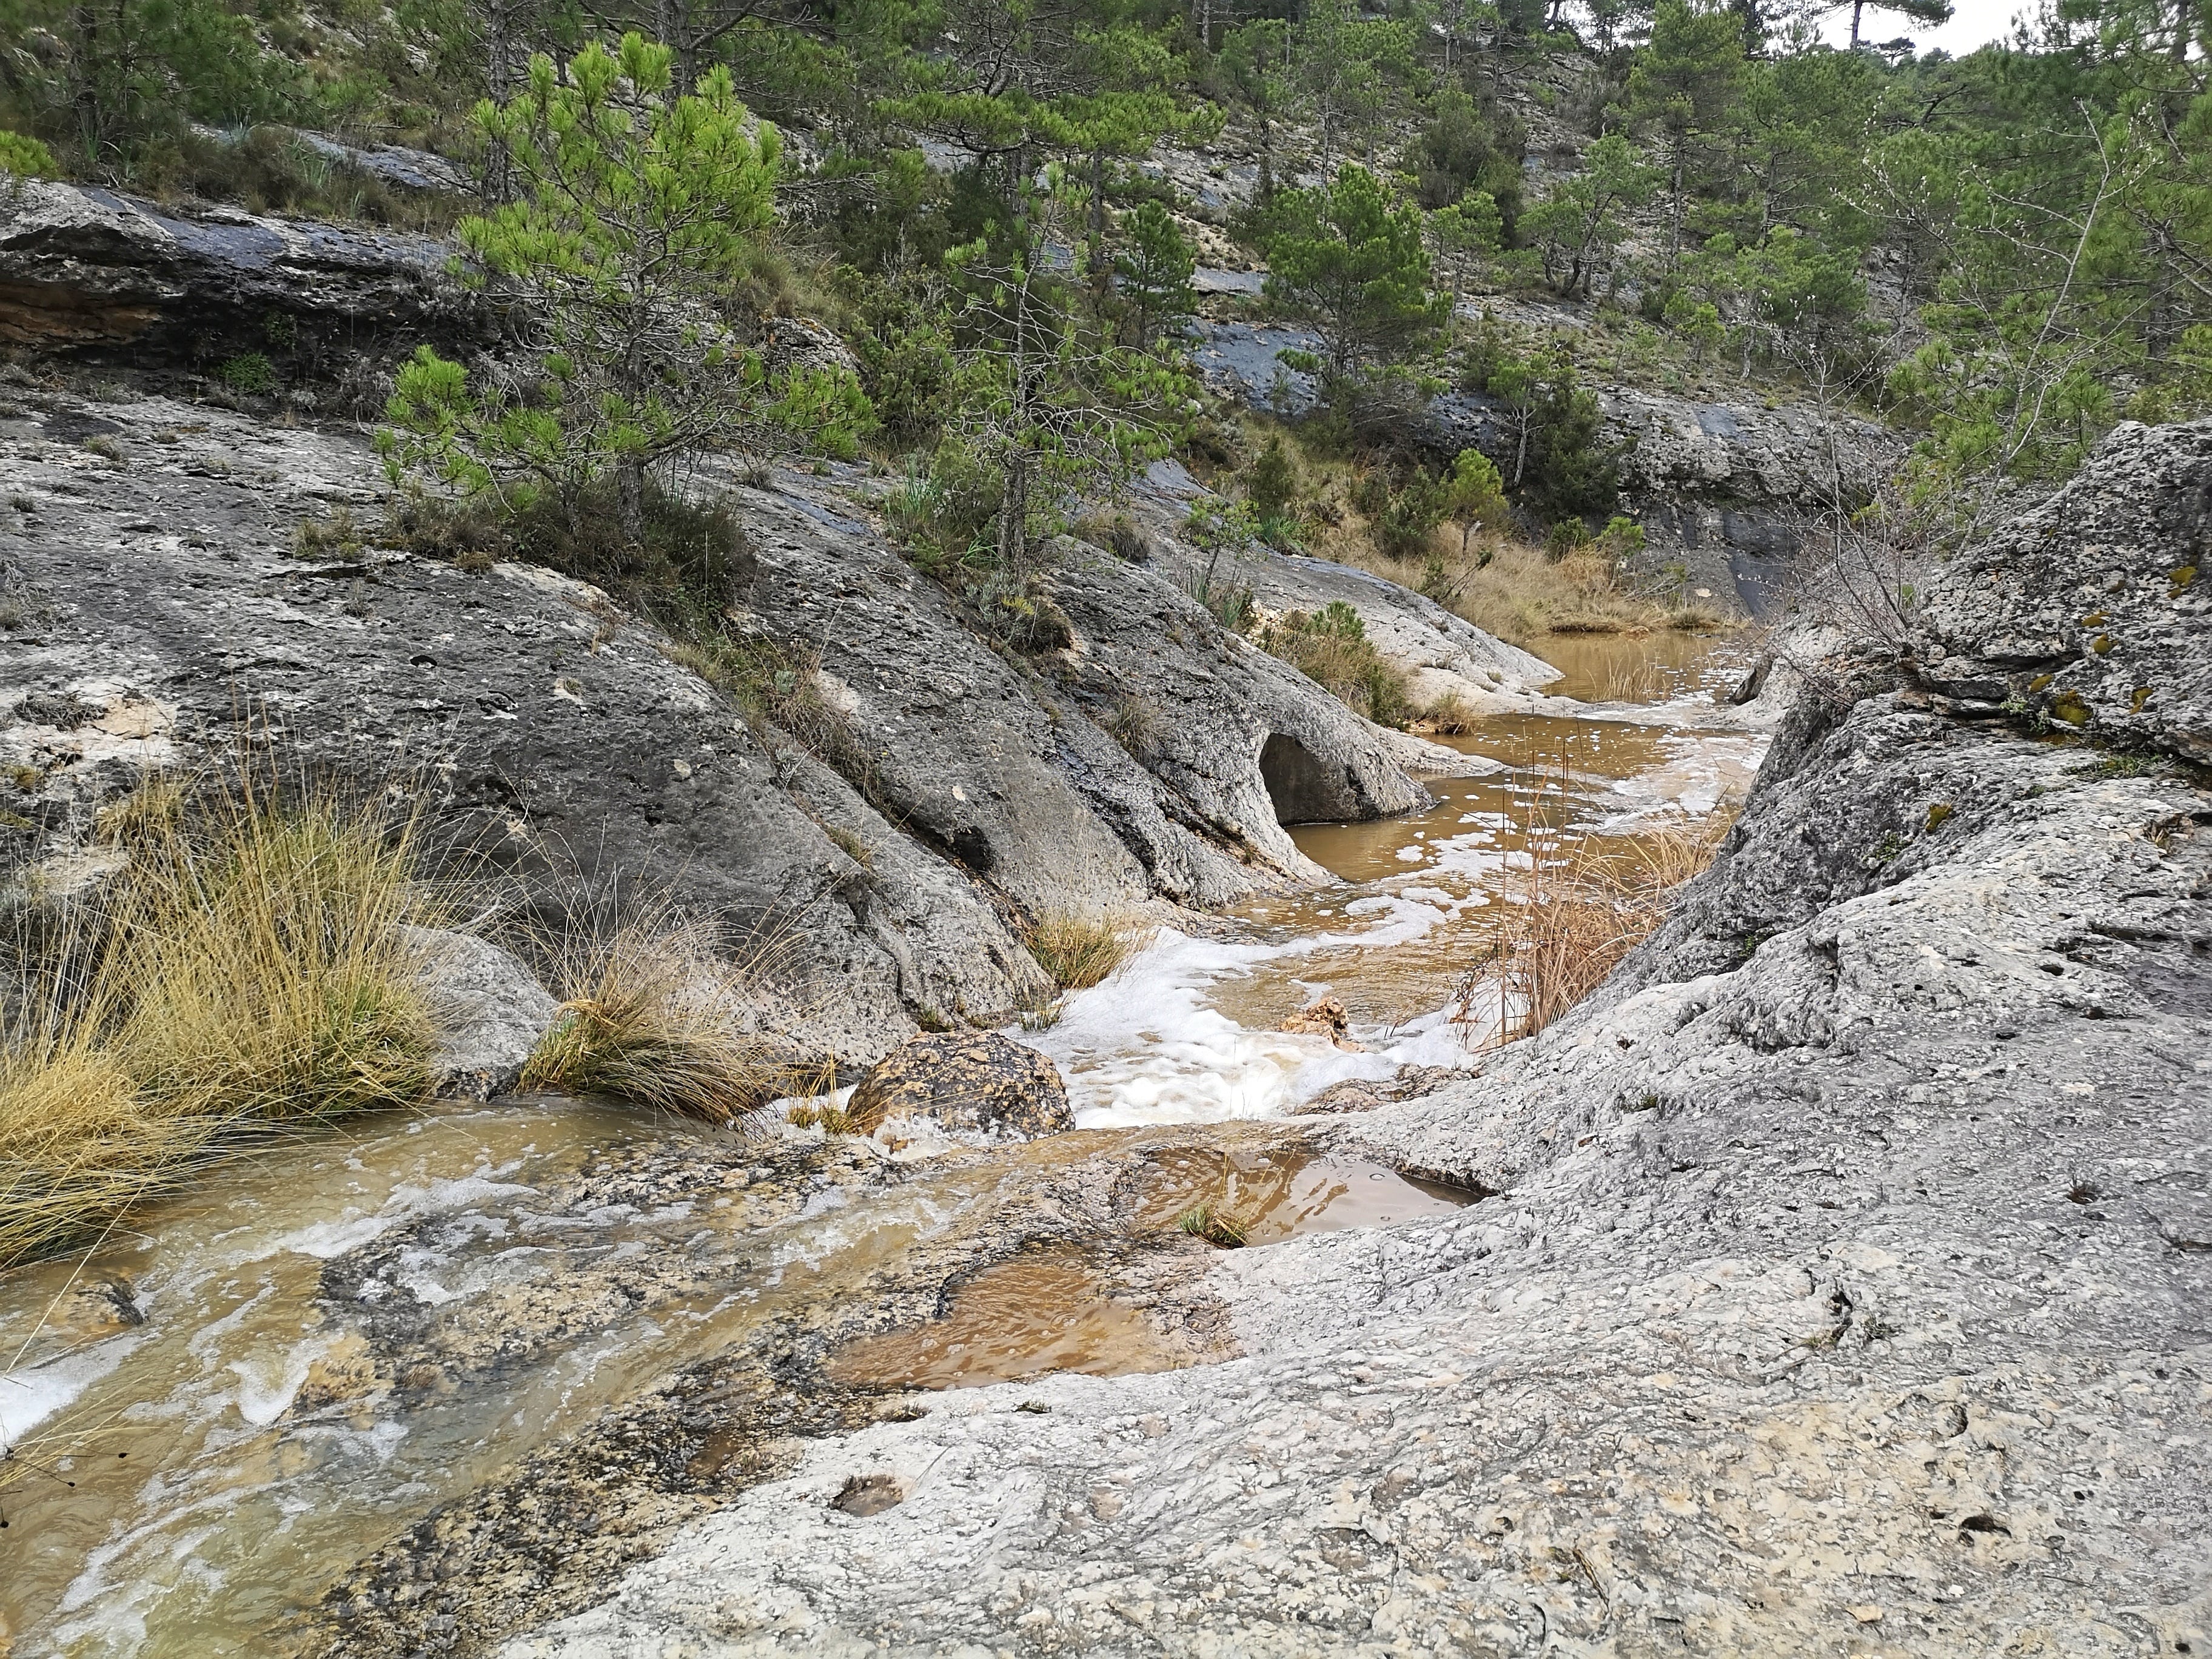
x,y
1007,764
154,601
2096,608
967,1084
1723,488
489,1009
84,269
1841,1286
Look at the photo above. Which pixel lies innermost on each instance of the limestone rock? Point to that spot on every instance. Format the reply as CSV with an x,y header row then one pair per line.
x,y
90,269
2094,608
489,1009
542,726
1846,1256
1324,1017
1720,488
967,1083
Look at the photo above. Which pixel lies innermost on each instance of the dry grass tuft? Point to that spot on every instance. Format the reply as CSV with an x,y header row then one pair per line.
x,y
1078,950
654,1012
250,970
1578,914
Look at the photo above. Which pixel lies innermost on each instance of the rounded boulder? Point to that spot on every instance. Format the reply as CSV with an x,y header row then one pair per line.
x,y
967,1083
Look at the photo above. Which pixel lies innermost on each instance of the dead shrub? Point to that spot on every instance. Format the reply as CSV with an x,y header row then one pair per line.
x,y
1580,910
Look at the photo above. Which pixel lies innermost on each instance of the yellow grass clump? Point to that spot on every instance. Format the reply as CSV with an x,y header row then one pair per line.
x,y
249,968
1079,948
652,1011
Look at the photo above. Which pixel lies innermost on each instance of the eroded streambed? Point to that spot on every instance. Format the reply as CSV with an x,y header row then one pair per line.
x,y
213,1419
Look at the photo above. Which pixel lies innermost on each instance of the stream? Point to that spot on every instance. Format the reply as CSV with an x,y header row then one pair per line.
x,y
194,1453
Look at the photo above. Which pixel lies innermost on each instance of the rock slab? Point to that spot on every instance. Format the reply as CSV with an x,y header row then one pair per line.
x,y
489,1009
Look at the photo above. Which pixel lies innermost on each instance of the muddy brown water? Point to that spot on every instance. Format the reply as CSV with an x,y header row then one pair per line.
x,y
1192,1032
200,1439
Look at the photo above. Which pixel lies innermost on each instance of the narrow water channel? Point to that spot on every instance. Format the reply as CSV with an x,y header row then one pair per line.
x,y
1191,1032
197,1450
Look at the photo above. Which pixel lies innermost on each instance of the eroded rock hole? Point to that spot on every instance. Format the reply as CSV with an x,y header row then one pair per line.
x,y
1303,789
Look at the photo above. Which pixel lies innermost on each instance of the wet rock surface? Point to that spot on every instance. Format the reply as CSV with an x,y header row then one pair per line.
x,y
1838,1293
557,1531
966,1082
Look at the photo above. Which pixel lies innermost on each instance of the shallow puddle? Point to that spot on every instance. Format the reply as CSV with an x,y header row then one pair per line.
x,y
1058,1311
1263,1200
1022,1318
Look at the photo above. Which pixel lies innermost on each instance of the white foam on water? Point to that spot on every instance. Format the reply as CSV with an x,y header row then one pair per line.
x,y
326,1239
266,1388
29,1396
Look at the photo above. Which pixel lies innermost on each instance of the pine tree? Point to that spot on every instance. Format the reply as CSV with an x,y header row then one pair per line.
x,y
1353,260
637,209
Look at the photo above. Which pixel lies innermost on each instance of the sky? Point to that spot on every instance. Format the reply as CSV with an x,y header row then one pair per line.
x,y
1973,23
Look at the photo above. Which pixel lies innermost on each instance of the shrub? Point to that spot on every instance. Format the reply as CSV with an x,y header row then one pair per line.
x,y
251,969
334,537
25,156
1271,483
252,375
1332,649
688,561
1411,515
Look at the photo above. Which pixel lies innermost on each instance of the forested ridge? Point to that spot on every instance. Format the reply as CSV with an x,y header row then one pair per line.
x,y
2001,254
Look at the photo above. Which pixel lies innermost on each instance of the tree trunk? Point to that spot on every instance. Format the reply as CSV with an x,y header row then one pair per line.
x,y
674,23
1857,7
1013,516
502,75
630,501
1102,270
1674,212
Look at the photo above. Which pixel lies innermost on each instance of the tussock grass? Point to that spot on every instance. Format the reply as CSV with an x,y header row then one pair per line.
x,y
1581,909
1216,1227
653,1011
250,970
1078,950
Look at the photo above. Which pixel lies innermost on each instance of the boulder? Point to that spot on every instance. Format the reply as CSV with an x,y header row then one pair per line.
x,y
490,1012
1324,1017
967,1083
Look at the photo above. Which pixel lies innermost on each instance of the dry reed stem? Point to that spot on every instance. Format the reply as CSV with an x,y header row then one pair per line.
x,y
1579,912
